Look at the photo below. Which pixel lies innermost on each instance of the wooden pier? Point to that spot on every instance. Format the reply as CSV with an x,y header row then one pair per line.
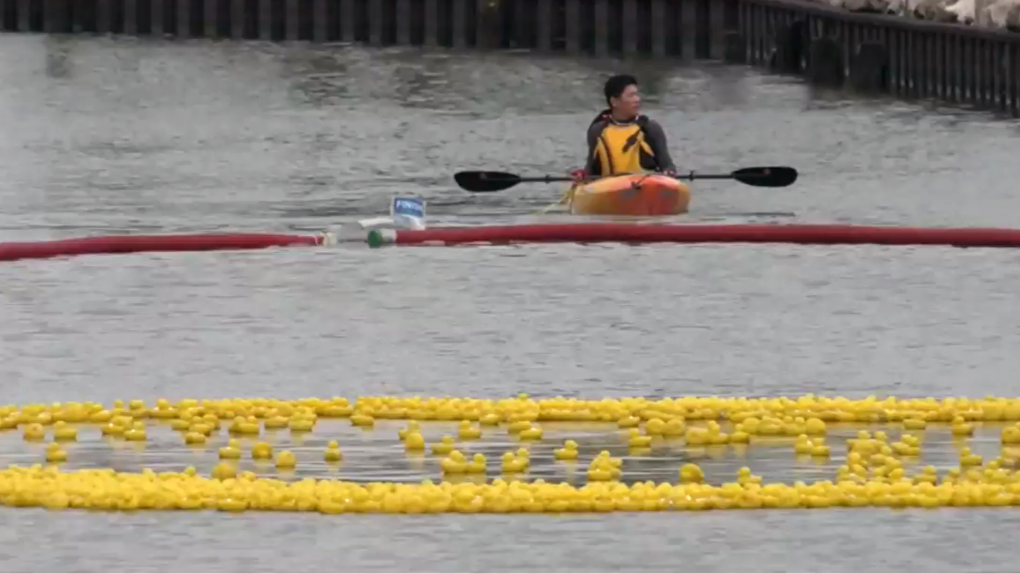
x,y
865,52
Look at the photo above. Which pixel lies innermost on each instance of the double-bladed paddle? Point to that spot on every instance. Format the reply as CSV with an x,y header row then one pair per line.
x,y
490,181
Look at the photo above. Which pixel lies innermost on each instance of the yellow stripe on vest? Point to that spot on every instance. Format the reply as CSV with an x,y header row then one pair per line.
x,y
619,149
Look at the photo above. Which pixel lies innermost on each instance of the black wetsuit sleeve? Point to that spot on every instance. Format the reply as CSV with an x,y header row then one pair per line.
x,y
656,138
591,164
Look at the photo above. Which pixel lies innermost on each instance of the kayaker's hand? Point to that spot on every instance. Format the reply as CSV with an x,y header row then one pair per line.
x,y
579,175
671,172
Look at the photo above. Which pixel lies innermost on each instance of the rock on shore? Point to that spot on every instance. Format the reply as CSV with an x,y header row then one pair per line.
x,y
1002,14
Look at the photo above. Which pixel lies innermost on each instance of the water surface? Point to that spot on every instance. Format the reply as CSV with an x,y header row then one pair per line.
x,y
122,136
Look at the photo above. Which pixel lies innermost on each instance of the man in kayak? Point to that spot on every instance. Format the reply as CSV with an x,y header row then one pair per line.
x,y
621,139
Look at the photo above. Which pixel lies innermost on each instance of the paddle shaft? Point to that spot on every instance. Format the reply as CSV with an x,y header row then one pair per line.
x,y
556,179
692,176
490,181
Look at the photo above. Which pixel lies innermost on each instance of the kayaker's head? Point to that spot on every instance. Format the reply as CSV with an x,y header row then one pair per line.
x,y
623,97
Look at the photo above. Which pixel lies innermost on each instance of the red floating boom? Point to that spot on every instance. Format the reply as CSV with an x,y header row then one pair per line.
x,y
631,233
138,243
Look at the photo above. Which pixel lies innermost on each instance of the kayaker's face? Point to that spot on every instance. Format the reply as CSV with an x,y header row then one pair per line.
x,y
629,103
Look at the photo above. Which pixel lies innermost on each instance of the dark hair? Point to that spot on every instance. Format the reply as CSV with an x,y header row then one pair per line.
x,y
617,84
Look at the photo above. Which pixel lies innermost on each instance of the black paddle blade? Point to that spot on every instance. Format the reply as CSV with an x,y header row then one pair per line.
x,y
766,176
486,181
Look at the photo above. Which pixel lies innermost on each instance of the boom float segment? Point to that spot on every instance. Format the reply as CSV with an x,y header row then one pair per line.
x,y
13,251
554,233
745,233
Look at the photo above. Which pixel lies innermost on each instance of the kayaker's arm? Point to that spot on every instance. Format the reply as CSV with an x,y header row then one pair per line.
x,y
656,138
591,165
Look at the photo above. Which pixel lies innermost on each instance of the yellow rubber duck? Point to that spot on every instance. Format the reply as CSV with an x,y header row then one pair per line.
x,y
477,464
224,471
603,468
286,459
276,422
914,423
820,449
568,452
655,427
362,420
203,428
691,473
524,454
802,445
489,419
1011,435
444,447
34,432
243,426
414,442
232,451
744,477
628,422
696,436
636,440
453,464
332,453
301,424
412,426
911,440
467,432
262,451
903,449
136,433
967,458
815,426
512,464
55,454
180,424
339,409
518,426
675,427
101,416
960,427
212,421
64,432
533,433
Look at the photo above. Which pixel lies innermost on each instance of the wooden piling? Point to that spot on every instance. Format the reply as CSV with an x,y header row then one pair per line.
x,y
130,25
24,8
572,16
238,19
688,28
544,25
430,24
633,29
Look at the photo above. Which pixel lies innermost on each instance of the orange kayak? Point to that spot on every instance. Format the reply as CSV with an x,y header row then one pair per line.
x,y
638,194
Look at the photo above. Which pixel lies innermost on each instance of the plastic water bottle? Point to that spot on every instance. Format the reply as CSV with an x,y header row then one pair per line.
x,y
408,212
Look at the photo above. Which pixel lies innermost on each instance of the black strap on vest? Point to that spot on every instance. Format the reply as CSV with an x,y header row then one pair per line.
x,y
607,116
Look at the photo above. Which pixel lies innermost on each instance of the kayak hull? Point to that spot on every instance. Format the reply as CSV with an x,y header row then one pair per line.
x,y
634,195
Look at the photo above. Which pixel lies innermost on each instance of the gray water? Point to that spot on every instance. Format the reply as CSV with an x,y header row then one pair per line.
x,y
101,136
